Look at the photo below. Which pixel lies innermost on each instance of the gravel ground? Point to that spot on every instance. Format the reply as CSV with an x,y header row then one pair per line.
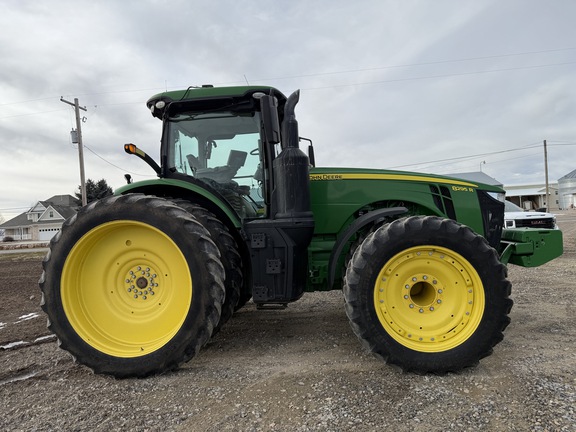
x,y
299,369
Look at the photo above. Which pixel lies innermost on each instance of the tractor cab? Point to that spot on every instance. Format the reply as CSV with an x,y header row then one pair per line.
x,y
225,141
223,151
243,146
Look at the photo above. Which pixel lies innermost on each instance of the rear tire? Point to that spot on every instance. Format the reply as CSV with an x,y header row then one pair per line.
x,y
427,294
229,256
132,286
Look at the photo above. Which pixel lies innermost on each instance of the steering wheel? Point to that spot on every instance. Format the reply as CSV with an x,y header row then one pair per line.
x,y
255,152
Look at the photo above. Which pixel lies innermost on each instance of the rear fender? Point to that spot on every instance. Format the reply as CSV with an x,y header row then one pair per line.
x,y
175,188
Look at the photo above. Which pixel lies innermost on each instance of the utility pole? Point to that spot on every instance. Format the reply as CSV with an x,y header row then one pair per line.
x,y
77,109
546,171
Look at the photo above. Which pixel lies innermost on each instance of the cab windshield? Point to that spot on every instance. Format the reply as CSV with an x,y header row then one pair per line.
x,y
223,150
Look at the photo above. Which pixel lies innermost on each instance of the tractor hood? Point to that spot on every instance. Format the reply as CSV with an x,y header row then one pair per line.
x,y
319,174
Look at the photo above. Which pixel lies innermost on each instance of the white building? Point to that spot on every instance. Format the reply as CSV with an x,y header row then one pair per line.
x,y
567,190
42,221
533,196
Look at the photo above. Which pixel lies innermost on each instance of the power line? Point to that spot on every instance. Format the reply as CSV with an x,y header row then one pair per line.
x,y
339,72
115,166
413,64
491,162
14,208
26,101
436,76
466,157
396,80
33,113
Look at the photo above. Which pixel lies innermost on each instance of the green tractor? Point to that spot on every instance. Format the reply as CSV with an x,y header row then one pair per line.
x,y
135,284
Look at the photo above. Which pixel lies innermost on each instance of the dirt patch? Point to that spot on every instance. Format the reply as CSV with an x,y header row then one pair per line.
x,y
21,319
299,369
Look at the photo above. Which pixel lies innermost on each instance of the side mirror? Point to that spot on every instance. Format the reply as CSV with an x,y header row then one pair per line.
x,y
269,109
311,156
132,149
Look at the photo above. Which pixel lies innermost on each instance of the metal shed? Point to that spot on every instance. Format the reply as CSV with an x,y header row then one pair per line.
x,y
567,190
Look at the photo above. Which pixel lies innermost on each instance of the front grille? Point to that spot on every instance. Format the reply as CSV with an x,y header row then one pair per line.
x,y
443,200
493,217
535,223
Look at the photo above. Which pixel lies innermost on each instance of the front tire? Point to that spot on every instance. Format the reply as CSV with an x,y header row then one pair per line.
x,y
132,286
427,294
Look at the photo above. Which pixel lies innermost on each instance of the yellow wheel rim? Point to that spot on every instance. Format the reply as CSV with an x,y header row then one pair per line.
x,y
126,288
429,299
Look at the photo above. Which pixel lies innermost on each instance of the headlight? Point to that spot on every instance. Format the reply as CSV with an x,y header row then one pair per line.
x,y
499,196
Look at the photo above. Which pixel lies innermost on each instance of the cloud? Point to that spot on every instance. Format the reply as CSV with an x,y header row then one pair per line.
x,y
384,84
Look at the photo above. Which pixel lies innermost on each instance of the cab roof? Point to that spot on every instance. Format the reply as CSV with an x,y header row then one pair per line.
x,y
206,92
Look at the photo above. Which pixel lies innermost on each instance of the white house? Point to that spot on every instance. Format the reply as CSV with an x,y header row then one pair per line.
x,y
42,221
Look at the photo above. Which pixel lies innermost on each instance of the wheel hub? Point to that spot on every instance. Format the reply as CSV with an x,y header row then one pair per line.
x,y
141,282
425,298
423,293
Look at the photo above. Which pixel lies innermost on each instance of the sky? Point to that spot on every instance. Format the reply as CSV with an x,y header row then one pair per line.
x,y
442,86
